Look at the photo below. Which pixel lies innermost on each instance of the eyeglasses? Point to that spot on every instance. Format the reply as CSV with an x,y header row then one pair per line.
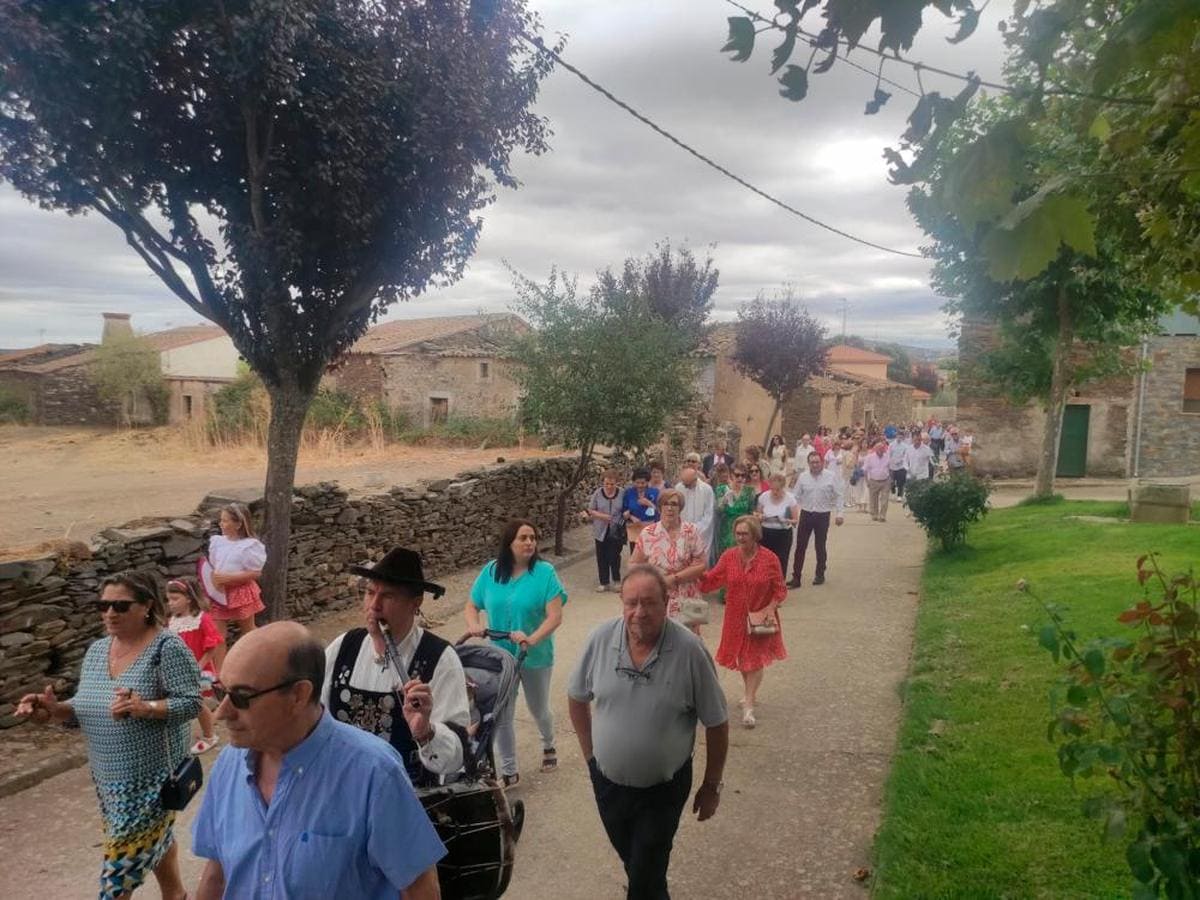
x,y
756,471
671,503
241,698
120,606
633,674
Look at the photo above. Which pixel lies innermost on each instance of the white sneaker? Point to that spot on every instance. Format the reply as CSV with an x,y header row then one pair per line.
x,y
602,589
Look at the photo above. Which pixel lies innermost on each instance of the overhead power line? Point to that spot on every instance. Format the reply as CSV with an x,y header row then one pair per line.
x,y
687,148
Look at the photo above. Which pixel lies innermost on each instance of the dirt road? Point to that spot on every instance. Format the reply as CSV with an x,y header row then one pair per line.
x,y
72,483
802,791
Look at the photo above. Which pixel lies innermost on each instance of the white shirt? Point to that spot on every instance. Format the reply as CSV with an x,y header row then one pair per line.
x,y
698,506
897,454
833,460
442,755
819,493
917,460
776,514
802,451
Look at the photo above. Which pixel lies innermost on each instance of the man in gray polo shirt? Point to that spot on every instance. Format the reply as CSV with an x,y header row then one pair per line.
x,y
635,697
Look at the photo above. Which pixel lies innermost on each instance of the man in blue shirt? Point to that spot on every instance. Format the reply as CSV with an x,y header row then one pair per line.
x,y
300,805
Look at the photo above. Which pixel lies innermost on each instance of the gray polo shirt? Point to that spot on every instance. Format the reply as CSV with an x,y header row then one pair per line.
x,y
644,722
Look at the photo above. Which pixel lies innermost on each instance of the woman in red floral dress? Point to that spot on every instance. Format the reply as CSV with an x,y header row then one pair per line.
x,y
753,580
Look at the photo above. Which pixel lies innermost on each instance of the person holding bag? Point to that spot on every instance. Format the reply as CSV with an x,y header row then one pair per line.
x,y
677,550
139,688
751,638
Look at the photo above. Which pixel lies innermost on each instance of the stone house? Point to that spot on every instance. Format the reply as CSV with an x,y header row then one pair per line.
x,y
434,368
729,402
1133,424
53,379
1166,403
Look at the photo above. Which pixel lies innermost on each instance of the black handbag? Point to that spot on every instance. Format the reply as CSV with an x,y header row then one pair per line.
x,y
186,780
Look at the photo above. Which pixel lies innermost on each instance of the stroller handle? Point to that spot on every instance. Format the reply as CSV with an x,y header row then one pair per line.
x,y
493,634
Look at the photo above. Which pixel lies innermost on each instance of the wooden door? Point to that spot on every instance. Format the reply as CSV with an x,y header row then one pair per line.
x,y
1073,442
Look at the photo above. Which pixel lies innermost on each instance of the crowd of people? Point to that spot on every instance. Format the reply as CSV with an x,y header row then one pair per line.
x,y
316,793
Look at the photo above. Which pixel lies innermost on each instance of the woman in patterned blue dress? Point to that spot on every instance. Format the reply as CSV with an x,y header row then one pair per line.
x,y
138,690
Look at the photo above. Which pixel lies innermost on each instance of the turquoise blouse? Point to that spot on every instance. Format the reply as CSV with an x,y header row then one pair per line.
x,y
520,605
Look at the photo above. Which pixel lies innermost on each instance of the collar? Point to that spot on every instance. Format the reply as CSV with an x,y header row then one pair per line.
x,y
622,645
300,756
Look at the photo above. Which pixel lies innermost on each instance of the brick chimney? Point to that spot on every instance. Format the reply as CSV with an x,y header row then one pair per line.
x,y
115,325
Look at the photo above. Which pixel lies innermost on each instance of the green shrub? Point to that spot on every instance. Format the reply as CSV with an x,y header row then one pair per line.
x,y
335,410
467,431
1125,715
239,409
14,409
945,507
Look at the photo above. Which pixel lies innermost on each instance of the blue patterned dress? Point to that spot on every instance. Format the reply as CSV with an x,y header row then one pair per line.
x,y
130,758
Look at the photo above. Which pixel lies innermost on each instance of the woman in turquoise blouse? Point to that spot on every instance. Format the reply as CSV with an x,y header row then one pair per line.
x,y
521,594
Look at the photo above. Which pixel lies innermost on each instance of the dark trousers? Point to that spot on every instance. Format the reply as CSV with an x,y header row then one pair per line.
x,y
899,476
779,542
608,558
937,445
641,824
811,523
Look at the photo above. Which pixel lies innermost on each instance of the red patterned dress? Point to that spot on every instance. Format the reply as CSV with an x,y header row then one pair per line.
x,y
749,588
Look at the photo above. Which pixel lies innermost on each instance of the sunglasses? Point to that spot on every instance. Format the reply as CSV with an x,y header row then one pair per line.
x,y
242,698
739,474
120,606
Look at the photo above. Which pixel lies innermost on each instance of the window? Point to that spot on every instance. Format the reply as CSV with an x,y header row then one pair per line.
x,y
187,406
439,410
484,371
1191,391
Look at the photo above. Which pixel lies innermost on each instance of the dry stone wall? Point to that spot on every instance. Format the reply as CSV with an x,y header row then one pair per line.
x,y
46,617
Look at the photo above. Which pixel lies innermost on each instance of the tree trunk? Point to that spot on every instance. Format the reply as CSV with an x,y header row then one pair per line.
x,y
289,406
560,524
771,424
1060,384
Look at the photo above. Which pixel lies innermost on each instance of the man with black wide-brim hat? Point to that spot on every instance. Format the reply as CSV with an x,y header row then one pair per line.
x,y
364,682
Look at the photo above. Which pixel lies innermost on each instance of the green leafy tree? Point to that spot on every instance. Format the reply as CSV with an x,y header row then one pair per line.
x,y
1129,71
1061,326
778,346
126,371
901,367
287,168
596,370
925,377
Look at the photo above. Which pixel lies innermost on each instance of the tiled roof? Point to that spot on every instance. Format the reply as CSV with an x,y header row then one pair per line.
x,y
393,337
82,354
844,353
29,359
919,394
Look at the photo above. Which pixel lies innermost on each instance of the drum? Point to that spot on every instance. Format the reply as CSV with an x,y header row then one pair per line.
x,y
480,828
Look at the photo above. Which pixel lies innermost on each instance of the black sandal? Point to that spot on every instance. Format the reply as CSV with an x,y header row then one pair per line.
x,y
549,760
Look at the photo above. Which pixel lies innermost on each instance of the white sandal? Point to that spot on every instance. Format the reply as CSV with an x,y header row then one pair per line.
x,y
205,744
748,719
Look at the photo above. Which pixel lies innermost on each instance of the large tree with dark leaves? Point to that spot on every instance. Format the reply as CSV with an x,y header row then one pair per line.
x,y
778,346
287,168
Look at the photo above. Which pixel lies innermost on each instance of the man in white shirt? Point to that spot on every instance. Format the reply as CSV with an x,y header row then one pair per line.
x,y
365,683
819,493
803,448
918,460
698,502
897,456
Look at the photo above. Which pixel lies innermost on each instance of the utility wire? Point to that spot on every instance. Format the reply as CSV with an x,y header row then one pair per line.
x,y
687,148
919,66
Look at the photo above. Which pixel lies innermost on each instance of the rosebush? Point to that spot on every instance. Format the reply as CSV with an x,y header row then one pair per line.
x,y
946,507
1126,711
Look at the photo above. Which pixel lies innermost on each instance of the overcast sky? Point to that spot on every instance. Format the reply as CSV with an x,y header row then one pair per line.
x,y
610,188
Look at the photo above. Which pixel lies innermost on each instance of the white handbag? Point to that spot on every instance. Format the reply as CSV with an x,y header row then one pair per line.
x,y
692,611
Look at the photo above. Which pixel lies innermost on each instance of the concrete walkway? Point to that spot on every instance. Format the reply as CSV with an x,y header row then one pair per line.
x,y
802,790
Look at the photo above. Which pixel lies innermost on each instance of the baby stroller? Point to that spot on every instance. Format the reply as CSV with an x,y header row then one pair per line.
x,y
474,818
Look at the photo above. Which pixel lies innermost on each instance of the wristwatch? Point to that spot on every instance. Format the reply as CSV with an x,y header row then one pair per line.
x,y
716,787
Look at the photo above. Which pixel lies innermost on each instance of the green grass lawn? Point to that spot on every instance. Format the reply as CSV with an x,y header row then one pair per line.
x,y
975,805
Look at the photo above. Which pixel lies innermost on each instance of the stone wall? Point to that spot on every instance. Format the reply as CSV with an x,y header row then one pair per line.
x,y
1169,438
46,618
883,404
66,397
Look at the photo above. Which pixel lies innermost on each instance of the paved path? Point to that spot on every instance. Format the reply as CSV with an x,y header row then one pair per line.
x,y
802,790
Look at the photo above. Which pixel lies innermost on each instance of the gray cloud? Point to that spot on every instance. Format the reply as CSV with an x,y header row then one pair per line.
x,y
610,188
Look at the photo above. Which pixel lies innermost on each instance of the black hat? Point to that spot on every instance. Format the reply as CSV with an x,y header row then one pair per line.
x,y
400,566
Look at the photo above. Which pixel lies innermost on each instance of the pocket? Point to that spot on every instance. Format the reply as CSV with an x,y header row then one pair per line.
x,y
316,866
